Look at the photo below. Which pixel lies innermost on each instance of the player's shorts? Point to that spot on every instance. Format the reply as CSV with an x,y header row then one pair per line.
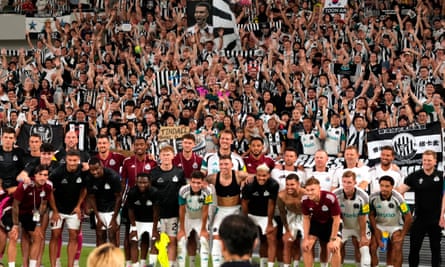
x,y
261,221
106,217
27,222
6,220
390,229
348,233
295,224
124,215
144,227
222,212
322,230
169,226
192,224
72,221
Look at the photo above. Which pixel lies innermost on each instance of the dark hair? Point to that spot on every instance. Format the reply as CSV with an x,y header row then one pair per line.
x,y
94,161
35,135
8,130
41,167
139,137
293,176
291,149
387,178
222,157
256,138
143,175
102,136
197,175
73,152
47,147
238,233
390,148
204,4
189,136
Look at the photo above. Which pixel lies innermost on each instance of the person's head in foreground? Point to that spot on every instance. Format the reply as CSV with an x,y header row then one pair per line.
x,y
106,255
238,234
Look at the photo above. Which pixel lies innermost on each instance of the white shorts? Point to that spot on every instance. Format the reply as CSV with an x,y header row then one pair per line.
x,y
295,224
261,221
390,229
71,221
347,233
220,214
144,227
105,217
169,226
192,224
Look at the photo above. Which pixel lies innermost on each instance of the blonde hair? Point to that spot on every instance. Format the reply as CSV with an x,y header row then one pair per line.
x,y
263,167
106,255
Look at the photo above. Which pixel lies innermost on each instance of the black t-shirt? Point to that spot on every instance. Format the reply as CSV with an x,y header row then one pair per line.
x,y
31,166
428,194
61,156
11,164
259,196
28,159
67,187
142,203
168,183
104,189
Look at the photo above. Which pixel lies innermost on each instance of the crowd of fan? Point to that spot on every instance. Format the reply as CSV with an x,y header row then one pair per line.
x,y
370,68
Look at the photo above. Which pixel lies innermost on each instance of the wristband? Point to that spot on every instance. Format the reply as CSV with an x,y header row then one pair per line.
x,y
133,228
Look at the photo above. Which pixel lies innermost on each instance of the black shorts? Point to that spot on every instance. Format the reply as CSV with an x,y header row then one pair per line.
x,y
323,230
124,215
279,227
27,223
7,221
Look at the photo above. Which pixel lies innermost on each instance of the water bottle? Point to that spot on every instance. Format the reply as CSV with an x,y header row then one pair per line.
x,y
385,238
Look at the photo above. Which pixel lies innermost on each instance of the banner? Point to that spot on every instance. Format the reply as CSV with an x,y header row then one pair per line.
x,y
409,143
172,132
81,128
37,25
49,133
335,6
191,10
212,16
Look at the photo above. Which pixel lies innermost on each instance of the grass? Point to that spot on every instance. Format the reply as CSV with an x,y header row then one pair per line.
x,y
83,258
45,260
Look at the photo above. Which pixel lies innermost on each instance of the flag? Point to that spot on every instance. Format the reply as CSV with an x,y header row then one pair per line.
x,y
223,17
49,133
409,143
